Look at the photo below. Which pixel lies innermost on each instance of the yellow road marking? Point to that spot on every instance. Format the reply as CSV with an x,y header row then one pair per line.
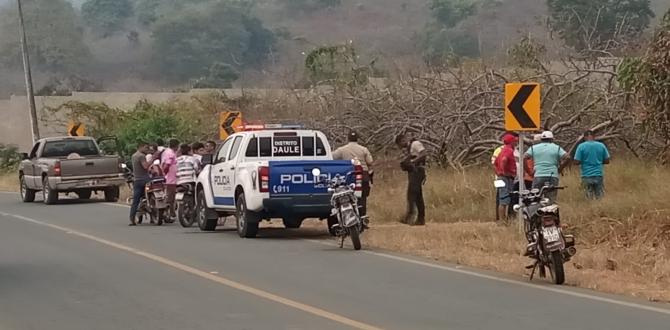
x,y
218,279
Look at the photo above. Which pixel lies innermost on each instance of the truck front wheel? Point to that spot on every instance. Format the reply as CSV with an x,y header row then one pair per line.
x,y
292,222
206,222
247,221
112,194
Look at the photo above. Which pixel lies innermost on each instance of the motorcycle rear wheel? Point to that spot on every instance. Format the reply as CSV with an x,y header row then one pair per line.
x,y
355,237
556,268
185,213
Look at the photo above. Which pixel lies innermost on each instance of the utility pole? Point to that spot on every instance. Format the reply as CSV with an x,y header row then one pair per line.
x,y
29,77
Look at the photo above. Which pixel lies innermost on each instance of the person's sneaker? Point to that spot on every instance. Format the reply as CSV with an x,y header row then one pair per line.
x,y
132,222
530,249
366,221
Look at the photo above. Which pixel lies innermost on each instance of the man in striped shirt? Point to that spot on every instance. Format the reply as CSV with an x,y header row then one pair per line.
x,y
188,166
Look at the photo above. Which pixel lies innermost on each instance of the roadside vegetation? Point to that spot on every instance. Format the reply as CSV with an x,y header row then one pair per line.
x,y
622,240
10,158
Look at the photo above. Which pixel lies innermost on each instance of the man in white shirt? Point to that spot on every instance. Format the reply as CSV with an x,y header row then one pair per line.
x,y
414,163
361,154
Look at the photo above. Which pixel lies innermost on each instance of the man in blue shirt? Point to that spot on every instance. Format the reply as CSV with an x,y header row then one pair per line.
x,y
549,159
592,155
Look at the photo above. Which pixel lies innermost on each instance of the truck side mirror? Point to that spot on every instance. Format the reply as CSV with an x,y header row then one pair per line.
x,y
24,156
207,159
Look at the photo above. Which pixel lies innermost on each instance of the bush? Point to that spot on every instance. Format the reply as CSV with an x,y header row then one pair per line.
x,y
10,158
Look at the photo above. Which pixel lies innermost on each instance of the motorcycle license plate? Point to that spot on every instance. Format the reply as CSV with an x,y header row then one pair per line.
x,y
179,196
551,234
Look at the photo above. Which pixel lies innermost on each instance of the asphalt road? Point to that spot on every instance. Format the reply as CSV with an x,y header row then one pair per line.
x,y
79,266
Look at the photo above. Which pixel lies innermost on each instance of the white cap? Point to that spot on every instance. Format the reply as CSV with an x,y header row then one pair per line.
x,y
547,135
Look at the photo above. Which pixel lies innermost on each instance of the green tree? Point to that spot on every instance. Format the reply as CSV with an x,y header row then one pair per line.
x,y
648,77
149,11
189,42
588,25
221,75
55,37
106,16
449,13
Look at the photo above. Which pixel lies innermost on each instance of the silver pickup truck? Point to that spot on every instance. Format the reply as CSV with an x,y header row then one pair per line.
x,y
69,165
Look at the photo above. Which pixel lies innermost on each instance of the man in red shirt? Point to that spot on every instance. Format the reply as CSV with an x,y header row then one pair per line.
x,y
505,165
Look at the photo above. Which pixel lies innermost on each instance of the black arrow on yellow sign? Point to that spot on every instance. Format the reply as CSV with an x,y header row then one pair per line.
x,y
516,107
74,129
228,123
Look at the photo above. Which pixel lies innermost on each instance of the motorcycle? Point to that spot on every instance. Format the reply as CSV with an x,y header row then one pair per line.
x,y
344,209
154,203
547,245
185,200
129,177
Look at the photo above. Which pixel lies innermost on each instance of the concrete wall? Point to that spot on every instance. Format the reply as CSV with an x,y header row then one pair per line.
x,y
15,120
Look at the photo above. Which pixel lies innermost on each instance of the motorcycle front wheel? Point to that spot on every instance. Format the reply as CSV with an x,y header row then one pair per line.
x,y
556,268
355,237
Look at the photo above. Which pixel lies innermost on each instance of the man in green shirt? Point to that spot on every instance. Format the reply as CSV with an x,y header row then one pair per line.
x,y
549,159
591,155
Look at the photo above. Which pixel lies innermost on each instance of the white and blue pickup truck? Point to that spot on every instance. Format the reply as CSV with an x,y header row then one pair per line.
x,y
265,172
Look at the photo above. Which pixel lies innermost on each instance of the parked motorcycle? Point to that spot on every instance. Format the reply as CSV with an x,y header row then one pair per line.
x,y
155,202
345,209
185,200
547,245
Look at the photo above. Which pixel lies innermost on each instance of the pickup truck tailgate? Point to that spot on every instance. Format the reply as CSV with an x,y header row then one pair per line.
x,y
295,177
91,166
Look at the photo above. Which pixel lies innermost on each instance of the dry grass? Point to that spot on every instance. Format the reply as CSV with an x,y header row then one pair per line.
x,y
622,240
9,182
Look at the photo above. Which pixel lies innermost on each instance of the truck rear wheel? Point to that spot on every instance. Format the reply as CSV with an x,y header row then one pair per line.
x,y
84,194
27,194
206,222
50,196
247,221
292,222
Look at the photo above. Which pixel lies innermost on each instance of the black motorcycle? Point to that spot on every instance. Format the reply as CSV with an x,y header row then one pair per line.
x,y
185,200
547,245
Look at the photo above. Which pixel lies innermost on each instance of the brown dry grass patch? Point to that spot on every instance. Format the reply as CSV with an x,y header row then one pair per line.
x,y
622,240
9,182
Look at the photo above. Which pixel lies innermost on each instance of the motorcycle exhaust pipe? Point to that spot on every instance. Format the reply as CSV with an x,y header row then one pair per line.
x,y
571,251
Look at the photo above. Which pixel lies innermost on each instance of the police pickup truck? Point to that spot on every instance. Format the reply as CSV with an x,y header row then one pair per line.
x,y
265,172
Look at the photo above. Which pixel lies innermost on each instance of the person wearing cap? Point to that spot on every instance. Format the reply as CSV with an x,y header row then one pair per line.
x,y
549,159
506,170
360,154
494,156
591,155
414,163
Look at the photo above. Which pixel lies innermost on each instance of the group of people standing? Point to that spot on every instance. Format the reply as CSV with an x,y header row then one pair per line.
x,y
176,163
543,163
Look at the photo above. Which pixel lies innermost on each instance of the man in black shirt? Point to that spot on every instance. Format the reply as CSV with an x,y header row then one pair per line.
x,y
140,177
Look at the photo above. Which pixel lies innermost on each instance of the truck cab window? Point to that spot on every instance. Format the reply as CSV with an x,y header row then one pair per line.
x,y
33,153
308,146
265,144
223,151
320,149
252,148
235,148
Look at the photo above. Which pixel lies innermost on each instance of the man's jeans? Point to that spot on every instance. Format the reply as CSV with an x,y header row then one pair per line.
x,y
594,187
541,181
138,193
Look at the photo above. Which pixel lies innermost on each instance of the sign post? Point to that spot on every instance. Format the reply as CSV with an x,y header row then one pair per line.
x,y
229,123
522,114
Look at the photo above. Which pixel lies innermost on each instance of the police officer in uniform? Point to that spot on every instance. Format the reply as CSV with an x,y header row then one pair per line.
x,y
360,154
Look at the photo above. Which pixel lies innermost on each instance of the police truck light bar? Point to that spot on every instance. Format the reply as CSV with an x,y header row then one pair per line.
x,y
265,127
